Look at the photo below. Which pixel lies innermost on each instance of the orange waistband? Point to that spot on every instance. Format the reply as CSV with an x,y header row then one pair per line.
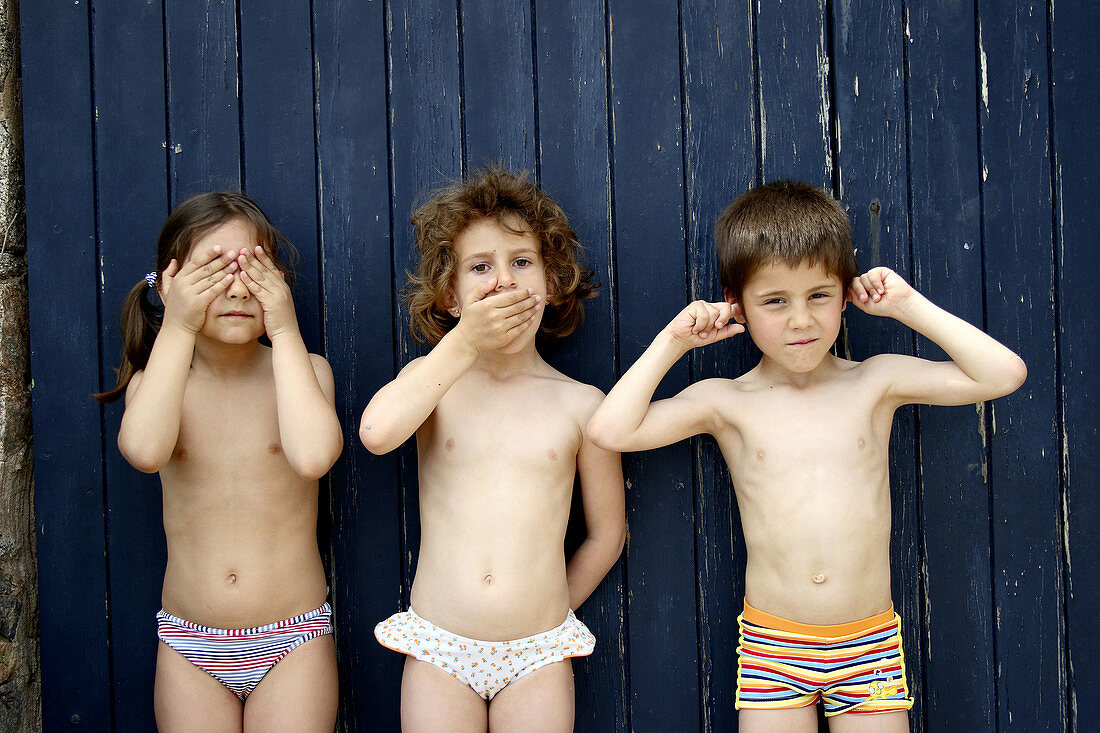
x,y
763,618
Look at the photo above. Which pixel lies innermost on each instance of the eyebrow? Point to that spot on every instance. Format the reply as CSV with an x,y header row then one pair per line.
x,y
815,288
490,253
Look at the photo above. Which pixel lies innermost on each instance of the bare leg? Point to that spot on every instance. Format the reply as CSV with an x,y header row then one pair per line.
x,y
790,720
433,701
297,694
539,702
187,699
870,723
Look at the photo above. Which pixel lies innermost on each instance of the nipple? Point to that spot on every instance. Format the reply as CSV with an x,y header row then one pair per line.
x,y
488,580
759,455
819,578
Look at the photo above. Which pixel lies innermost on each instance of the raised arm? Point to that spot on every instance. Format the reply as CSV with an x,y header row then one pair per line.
x,y
981,368
154,398
304,393
604,502
627,421
488,322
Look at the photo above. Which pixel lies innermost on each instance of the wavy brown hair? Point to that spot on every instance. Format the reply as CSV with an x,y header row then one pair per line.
x,y
517,206
783,221
140,316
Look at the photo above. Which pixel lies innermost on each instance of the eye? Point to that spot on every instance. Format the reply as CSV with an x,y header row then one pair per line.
x,y
522,262
820,296
480,267
773,301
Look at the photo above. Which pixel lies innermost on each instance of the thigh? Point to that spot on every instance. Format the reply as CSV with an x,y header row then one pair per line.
x,y
787,720
541,702
897,722
297,694
432,701
185,698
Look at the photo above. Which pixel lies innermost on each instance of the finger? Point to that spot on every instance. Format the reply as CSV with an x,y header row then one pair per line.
x,y
201,258
216,278
480,291
256,269
171,270
526,314
264,259
210,269
858,291
730,329
216,288
524,304
725,314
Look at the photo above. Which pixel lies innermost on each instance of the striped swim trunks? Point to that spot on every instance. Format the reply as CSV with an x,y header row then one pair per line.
x,y
856,667
239,658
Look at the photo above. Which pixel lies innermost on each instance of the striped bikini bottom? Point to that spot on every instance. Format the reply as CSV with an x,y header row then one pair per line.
x,y
856,667
239,658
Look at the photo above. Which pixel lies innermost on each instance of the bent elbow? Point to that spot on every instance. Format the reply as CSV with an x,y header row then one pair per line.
x,y
602,434
144,460
374,439
1019,373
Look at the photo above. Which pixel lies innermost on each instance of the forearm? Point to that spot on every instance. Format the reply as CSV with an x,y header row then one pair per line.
x,y
308,427
150,424
398,409
993,367
618,422
590,564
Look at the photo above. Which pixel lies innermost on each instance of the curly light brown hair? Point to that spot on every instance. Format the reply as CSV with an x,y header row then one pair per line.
x,y
517,206
783,221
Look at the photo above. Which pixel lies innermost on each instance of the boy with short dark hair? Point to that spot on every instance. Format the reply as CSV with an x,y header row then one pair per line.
x,y
806,436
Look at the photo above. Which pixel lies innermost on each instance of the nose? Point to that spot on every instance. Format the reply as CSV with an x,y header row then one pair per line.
x,y
237,290
800,316
505,278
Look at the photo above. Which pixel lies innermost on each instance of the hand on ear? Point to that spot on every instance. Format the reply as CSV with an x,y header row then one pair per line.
x,y
738,312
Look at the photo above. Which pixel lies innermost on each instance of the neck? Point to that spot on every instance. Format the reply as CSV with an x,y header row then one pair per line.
x,y
504,365
777,375
225,359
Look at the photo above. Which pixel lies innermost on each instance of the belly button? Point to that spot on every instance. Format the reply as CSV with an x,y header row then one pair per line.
x,y
819,578
232,578
488,580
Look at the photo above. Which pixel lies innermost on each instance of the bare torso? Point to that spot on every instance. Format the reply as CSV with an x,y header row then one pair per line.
x,y
241,525
810,469
497,460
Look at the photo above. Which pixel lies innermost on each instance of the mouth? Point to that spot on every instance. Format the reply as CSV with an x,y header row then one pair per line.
x,y
236,314
806,342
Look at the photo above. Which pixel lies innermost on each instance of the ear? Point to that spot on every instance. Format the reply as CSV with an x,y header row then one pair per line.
x,y
738,313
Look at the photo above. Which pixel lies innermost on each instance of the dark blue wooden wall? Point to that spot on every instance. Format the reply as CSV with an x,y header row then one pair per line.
x,y
961,137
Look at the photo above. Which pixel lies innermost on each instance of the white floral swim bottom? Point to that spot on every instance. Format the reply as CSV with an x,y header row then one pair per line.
x,y
486,667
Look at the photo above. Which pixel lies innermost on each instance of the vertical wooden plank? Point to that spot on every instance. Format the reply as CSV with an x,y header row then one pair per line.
x,y
872,176
720,159
498,99
1019,287
131,180
61,253
650,255
572,95
794,91
1077,220
203,101
947,267
350,63
279,144
425,150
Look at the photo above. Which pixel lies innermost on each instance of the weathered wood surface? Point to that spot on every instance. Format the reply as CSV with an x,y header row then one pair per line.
x,y
959,137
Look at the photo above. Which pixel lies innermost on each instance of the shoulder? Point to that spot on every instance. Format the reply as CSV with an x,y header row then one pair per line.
x,y
573,392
